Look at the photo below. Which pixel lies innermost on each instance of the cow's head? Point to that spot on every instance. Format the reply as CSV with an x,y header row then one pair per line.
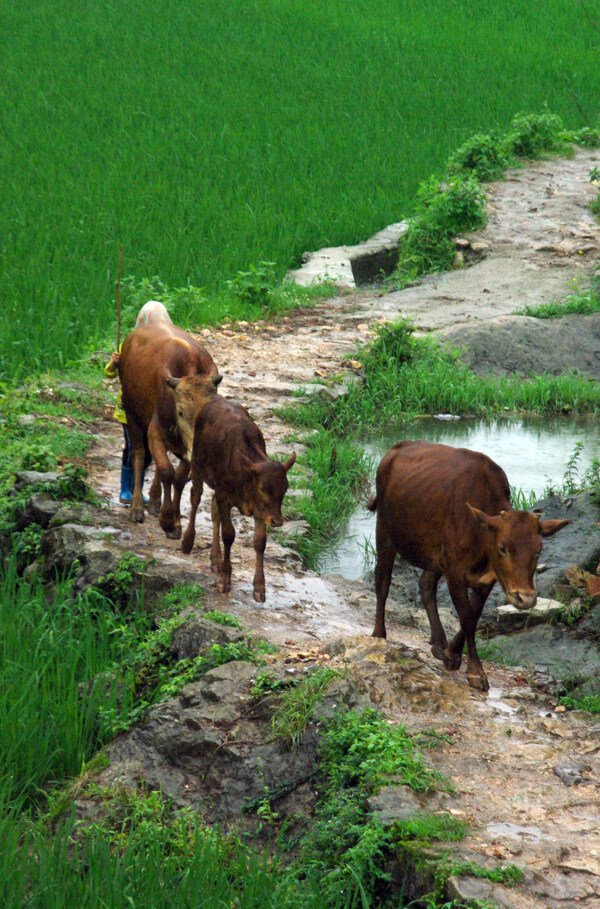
x,y
191,393
514,546
263,498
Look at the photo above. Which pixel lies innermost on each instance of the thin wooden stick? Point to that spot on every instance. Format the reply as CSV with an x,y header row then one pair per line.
x,y
119,298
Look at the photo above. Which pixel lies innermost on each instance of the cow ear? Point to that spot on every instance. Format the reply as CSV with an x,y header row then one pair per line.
x,y
549,528
291,460
482,518
249,465
216,380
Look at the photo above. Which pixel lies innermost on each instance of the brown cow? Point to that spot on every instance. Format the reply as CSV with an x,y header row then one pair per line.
x,y
166,377
229,455
447,511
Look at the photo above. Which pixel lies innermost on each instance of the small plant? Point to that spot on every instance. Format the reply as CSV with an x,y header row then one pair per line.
x,y
581,303
223,618
117,585
483,155
531,135
37,456
266,684
255,285
443,210
296,705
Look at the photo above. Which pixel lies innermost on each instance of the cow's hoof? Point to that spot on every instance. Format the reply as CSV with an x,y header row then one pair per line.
x,y
186,545
438,652
452,661
259,596
215,567
223,586
478,682
174,534
153,506
136,514
377,633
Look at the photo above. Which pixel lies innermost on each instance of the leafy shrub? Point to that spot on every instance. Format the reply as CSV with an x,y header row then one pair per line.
x,y
531,135
255,285
587,136
484,155
296,705
38,457
444,210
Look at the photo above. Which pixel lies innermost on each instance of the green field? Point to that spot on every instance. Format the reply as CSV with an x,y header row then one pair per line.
x,y
207,137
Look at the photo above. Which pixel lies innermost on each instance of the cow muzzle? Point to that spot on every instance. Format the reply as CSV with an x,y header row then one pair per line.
x,y
522,599
275,522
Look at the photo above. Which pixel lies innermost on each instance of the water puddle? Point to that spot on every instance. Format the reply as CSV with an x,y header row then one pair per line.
x,y
532,451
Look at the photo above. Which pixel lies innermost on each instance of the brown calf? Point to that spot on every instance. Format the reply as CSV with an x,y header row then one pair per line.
x,y
166,377
447,511
229,455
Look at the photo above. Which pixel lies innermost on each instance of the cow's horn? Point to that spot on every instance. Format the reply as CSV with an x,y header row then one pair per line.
x,y
287,464
172,382
216,380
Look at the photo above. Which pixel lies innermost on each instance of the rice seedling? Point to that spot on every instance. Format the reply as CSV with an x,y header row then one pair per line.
x,y
209,141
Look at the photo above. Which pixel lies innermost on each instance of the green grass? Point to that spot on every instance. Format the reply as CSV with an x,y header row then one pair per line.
x,y
404,376
49,648
580,303
208,140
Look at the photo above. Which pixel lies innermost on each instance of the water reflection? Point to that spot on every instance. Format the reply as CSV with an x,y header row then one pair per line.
x,y
532,451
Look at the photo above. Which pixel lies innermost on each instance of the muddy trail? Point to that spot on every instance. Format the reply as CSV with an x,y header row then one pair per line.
x,y
526,776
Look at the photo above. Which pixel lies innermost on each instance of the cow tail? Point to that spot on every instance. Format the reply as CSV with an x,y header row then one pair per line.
x,y
372,504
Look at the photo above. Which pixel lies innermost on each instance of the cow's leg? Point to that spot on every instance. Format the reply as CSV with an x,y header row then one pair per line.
x,y
182,473
228,534
475,673
190,534
260,542
386,555
216,558
428,583
165,473
468,609
136,436
154,496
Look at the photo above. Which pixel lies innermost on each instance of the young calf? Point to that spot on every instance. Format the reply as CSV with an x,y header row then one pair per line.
x,y
229,455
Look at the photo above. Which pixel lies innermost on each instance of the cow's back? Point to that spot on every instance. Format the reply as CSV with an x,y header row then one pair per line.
x,y
151,353
224,432
422,494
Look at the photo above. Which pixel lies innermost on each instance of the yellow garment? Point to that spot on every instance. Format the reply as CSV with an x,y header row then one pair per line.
x,y
118,413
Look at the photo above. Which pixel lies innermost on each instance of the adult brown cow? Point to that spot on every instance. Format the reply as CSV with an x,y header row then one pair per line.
x,y
447,510
166,377
229,455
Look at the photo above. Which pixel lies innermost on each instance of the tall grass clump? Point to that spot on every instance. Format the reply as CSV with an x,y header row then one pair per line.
x,y
338,469
54,650
403,376
443,210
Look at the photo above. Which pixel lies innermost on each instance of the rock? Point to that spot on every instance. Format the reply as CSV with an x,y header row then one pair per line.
x,y
472,890
400,803
571,773
519,344
510,618
197,634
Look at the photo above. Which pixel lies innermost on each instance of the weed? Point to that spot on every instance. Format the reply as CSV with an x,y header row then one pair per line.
x,y
39,457
484,155
574,701
443,210
531,135
118,585
296,705
266,683
255,285
223,618
581,303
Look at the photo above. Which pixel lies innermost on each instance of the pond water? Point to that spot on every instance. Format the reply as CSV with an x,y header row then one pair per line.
x,y
533,452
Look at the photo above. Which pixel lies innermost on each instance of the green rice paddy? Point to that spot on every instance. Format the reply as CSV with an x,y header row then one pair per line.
x,y
210,137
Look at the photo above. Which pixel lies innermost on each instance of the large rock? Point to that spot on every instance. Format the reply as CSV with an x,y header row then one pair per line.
x,y
530,346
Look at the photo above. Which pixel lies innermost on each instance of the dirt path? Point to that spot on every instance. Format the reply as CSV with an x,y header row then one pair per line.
x,y
507,746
